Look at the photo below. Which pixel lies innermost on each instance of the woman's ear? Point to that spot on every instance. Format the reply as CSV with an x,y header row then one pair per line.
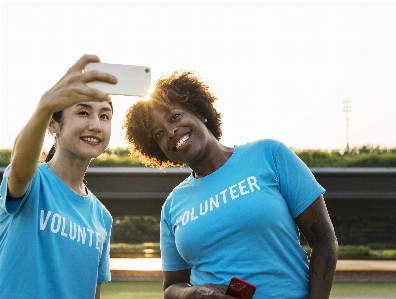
x,y
204,120
53,127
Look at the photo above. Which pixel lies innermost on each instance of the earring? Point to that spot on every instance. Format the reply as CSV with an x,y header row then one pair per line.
x,y
205,120
54,135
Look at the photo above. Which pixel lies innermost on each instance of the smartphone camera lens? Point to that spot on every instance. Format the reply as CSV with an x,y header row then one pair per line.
x,y
147,70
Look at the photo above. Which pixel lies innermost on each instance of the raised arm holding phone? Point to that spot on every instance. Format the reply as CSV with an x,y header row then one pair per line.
x,y
54,233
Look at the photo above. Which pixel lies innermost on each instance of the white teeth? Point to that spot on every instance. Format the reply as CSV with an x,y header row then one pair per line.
x,y
90,139
181,142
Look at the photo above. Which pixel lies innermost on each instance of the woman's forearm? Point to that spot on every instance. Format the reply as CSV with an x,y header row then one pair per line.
x,y
26,152
322,268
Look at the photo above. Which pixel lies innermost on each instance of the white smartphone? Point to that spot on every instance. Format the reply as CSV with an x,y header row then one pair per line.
x,y
133,80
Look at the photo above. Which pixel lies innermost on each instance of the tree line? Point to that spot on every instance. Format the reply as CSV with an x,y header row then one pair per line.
x,y
365,156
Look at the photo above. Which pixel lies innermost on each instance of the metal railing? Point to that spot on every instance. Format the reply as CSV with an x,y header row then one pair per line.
x,y
142,191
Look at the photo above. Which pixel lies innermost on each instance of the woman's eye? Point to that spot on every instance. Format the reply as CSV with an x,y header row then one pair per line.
x,y
158,135
105,116
83,112
175,116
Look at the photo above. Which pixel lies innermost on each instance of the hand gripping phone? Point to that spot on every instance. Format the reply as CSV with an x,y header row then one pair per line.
x,y
133,80
240,289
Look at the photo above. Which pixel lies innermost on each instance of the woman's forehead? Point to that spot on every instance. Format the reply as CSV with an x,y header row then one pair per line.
x,y
165,107
162,112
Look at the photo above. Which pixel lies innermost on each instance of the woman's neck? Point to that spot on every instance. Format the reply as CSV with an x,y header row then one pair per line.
x,y
213,161
72,173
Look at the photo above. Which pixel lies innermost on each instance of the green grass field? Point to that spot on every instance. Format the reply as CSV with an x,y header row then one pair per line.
x,y
346,290
153,290
132,289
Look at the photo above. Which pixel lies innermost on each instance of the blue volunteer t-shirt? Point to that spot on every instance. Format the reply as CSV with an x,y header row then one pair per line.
x,y
238,221
54,243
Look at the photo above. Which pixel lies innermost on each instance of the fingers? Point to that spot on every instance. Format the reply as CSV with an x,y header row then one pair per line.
x,y
72,89
96,75
80,79
92,94
87,58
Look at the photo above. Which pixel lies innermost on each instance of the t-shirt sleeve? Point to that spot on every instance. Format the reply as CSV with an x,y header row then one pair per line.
x,y
297,183
170,256
104,263
10,206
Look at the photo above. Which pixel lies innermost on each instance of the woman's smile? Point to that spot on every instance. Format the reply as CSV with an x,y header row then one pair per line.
x,y
182,141
91,140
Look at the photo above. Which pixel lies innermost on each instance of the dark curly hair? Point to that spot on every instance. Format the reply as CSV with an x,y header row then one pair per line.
x,y
183,88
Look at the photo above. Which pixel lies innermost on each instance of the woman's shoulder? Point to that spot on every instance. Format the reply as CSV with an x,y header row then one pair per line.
x,y
271,144
43,168
100,207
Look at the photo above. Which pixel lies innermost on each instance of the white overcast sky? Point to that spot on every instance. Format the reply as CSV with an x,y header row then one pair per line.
x,y
281,69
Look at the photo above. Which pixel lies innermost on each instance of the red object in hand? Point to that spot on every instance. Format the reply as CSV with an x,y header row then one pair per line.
x,y
240,289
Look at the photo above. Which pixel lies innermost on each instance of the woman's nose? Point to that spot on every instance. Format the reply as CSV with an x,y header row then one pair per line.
x,y
95,124
172,132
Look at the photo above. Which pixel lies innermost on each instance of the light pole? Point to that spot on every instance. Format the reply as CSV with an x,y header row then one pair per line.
x,y
347,109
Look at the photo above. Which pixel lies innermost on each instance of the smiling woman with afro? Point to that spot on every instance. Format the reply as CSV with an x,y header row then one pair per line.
x,y
182,87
